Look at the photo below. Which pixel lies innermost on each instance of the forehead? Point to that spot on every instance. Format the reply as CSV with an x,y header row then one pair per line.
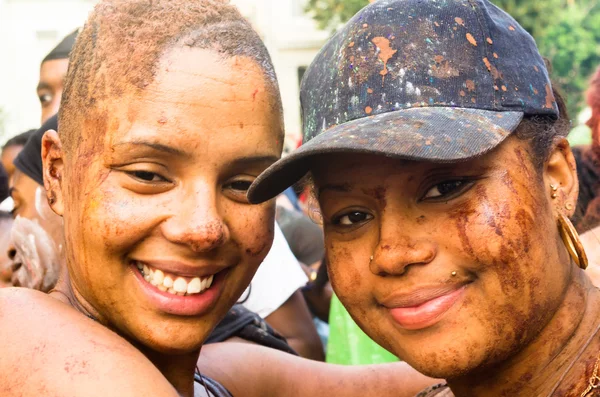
x,y
55,69
197,97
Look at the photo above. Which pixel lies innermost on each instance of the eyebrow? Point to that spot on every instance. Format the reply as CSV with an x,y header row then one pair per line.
x,y
345,188
156,146
43,86
248,160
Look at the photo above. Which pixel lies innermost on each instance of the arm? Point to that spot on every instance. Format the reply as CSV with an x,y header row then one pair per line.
x,y
248,370
294,322
49,349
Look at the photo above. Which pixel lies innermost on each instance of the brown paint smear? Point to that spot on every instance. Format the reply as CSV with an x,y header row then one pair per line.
x,y
495,73
385,53
471,39
459,21
470,85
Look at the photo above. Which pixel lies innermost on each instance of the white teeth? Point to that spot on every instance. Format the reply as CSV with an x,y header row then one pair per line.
x,y
194,286
158,277
180,285
168,282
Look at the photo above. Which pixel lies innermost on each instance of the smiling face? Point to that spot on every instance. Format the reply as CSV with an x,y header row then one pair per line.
x,y
451,267
50,86
154,199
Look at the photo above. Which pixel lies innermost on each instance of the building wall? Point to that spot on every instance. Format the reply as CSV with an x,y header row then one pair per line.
x,y
29,29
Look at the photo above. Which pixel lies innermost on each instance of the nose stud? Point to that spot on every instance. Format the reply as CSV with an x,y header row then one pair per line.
x,y
371,258
453,274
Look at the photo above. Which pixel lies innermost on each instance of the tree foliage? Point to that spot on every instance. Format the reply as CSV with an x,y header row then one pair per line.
x,y
567,33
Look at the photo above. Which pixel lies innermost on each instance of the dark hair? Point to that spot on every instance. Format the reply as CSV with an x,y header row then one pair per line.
x,y
543,131
19,140
123,40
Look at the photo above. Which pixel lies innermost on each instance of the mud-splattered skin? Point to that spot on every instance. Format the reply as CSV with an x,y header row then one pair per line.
x,y
523,303
163,177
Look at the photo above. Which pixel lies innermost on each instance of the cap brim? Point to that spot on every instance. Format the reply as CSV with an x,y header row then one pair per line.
x,y
436,134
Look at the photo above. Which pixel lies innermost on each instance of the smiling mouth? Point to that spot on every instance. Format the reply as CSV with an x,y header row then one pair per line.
x,y
172,283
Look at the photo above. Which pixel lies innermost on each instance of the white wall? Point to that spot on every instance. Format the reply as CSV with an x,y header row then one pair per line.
x,y
29,29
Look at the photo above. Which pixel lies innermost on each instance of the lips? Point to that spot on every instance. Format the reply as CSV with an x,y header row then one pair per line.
x,y
423,307
184,295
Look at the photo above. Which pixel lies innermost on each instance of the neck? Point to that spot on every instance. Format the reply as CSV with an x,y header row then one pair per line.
x,y
177,369
560,357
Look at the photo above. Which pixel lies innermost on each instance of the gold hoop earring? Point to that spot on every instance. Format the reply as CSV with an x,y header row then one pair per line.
x,y
570,238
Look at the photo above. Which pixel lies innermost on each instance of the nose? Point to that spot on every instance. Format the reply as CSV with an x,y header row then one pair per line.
x,y
12,252
397,250
197,223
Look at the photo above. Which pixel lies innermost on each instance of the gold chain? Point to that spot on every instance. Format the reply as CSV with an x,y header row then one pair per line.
x,y
594,382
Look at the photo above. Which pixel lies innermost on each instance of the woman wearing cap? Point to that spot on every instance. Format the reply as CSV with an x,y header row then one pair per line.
x,y
445,186
170,111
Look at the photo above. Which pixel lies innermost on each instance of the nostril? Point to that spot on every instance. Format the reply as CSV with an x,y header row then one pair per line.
x,y
16,266
12,253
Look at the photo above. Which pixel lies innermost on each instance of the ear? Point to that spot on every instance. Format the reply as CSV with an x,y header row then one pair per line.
x,y
560,178
53,162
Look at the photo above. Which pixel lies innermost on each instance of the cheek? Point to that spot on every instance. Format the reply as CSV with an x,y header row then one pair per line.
x,y
347,272
252,228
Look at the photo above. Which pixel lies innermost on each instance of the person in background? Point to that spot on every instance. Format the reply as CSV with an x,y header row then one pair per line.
x,y
36,237
6,222
11,149
52,74
274,294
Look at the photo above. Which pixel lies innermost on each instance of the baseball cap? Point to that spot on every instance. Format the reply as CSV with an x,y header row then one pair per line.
x,y
429,80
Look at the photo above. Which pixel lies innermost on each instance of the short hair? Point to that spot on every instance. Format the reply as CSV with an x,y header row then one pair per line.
x,y
123,41
19,140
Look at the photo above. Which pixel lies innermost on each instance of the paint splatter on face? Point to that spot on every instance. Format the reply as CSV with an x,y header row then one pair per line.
x,y
477,218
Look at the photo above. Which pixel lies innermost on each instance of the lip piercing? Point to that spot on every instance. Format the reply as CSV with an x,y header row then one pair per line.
x,y
453,274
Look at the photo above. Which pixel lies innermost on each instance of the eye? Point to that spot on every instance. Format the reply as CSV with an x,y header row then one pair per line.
x,y
240,186
352,218
147,176
446,189
45,99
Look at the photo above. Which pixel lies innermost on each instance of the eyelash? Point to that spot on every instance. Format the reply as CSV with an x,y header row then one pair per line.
x,y
135,175
337,220
464,185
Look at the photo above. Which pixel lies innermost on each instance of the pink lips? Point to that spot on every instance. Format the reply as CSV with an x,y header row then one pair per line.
x,y
425,308
188,305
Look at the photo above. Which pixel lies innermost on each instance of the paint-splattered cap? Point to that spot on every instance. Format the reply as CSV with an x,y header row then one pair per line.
x,y
435,80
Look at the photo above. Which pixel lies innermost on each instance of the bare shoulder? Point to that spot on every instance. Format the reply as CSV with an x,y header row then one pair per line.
x,y
48,348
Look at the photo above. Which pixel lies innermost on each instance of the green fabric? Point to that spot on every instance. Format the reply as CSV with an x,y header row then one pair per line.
x,y
580,135
348,344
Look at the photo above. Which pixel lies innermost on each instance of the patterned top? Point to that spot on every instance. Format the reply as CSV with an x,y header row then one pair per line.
x,y
441,390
